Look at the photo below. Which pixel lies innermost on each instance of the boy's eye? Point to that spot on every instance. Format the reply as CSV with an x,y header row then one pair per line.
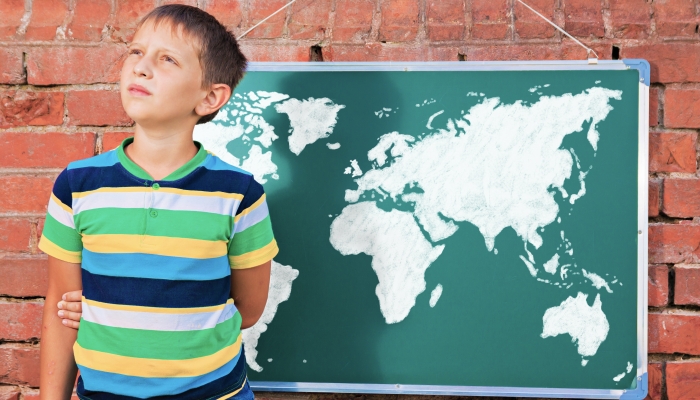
x,y
169,59
134,51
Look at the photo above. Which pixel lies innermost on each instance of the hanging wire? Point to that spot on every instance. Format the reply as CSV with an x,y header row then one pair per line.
x,y
266,18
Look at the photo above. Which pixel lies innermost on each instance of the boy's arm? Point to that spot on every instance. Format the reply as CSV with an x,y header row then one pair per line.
x,y
249,289
58,369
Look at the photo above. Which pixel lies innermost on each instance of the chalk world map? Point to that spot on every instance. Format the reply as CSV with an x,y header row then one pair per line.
x,y
495,165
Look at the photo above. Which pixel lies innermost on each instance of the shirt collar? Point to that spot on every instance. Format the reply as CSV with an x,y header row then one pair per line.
x,y
179,173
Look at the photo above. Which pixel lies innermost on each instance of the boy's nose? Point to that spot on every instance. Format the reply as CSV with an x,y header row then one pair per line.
x,y
142,69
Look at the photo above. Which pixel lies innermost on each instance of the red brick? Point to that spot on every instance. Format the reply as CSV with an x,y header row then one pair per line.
x,y
275,52
528,25
353,20
674,333
675,17
127,15
489,19
446,19
654,94
583,17
672,152
11,69
11,12
655,371
309,19
683,380
20,321
228,12
658,285
9,393
15,234
273,27
96,108
631,19
654,197
47,15
192,3
670,62
682,108
382,52
399,20
19,108
111,140
45,150
674,243
19,365
89,18
25,194
531,52
687,288
23,277
57,65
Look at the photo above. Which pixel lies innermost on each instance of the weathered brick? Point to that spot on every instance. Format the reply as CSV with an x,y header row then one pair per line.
x,y
309,19
672,152
47,15
655,371
45,150
677,332
683,380
111,140
89,18
273,27
584,17
274,52
682,109
670,62
11,69
658,285
19,108
20,321
23,277
228,12
675,17
687,287
58,65
446,19
654,94
530,26
127,15
681,198
489,19
11,12
9,393
382,52
25,193
654,197
631,19
96,108
531,52
14,234
674,243
399,20
353,20
19,365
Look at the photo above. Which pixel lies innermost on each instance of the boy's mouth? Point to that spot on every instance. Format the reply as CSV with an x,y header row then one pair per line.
x,y
138,90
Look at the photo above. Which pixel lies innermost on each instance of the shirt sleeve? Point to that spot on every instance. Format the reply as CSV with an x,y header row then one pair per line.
x,y
59,238
252,242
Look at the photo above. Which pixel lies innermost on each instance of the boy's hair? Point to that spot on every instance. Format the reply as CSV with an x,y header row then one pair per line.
x,y
219,56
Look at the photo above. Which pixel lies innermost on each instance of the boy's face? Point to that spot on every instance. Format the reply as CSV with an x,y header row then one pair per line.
x,y
161,80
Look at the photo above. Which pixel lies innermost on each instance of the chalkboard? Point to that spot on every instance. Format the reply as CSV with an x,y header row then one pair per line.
x,y
448,228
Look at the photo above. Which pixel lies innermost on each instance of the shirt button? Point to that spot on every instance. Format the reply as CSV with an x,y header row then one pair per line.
x,y
153,213
156,186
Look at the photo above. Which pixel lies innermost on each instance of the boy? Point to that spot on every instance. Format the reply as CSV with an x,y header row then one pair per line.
x,y
162,237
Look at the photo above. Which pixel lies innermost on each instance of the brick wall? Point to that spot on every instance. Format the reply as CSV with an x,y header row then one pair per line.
x,y
59,101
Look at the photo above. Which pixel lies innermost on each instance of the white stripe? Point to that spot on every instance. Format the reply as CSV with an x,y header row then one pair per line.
x,y
156,199
252,218
157,321
60,214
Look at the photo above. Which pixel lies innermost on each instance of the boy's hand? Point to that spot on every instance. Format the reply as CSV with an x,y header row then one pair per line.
x,y
70,308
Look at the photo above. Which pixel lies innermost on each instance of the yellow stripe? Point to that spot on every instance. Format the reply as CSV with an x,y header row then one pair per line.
x,y
52,249
235,392
143,189
250,208
60,204
191,310
254,258
159,245
154,368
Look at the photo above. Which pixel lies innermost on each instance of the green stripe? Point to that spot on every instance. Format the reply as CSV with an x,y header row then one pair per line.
x,y
251,239
170,223
62,236
179,173
159,345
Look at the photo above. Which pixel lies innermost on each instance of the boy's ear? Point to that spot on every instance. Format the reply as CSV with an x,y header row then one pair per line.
x,y
218,95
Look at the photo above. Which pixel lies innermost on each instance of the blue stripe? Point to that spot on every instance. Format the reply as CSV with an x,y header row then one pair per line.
x,y
151,266
251,195
103,160
109,386
62,190
155,292
214,163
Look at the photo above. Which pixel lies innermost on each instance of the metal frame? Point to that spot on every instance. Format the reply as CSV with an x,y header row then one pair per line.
x,y
643,176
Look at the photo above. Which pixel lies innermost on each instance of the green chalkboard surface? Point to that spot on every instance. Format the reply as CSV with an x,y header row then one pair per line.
x,y
475,228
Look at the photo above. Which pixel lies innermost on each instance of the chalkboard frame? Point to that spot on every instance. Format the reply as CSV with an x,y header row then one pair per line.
x,y
640,391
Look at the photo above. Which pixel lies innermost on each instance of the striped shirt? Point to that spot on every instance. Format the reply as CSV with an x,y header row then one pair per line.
x,y
156,259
